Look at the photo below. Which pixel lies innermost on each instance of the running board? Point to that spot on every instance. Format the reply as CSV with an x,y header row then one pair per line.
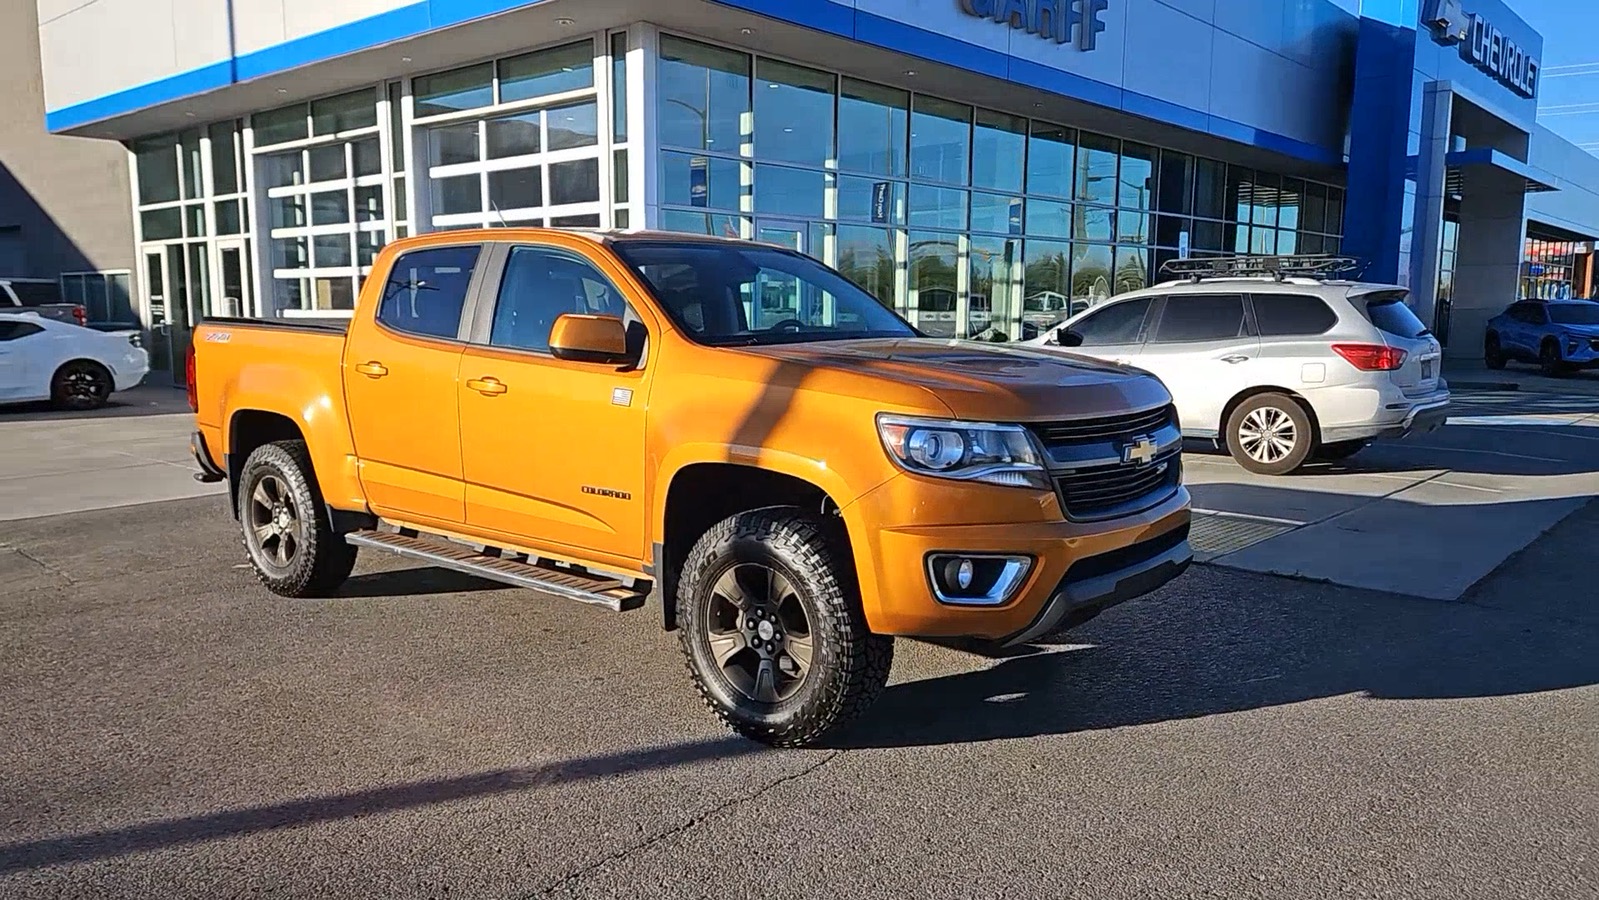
x,y
535,575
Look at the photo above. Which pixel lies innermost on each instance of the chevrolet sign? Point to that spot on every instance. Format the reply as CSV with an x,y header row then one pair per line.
x,y
1057,20
1484,46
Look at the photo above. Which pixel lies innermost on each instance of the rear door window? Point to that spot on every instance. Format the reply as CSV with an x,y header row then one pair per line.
x,y
1296,315
10,331
1119,323
426,291
1387,311
1201,317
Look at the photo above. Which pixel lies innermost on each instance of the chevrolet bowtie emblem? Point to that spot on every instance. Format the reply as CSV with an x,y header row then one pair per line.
x,y
1449,21
1141,451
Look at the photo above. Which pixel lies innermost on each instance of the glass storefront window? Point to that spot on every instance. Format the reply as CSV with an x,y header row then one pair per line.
x,y
866,256
999,144
328,163
1092,271
557,70
996,213
161,224
708,181
1313,212
619,87
471,87
575,181
1094,223
1137,188
1132,269
158,169
573,126
455,144
934,282
224,158
941,138
872,123
1046,286
1049,218
1176,192
1050,160
867,199
346,112
793,113
704,94
800,193
991,305
714,224
936,207
1096,169
279,126
1210,190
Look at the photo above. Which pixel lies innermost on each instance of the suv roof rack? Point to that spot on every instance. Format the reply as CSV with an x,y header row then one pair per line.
x,y
1278,267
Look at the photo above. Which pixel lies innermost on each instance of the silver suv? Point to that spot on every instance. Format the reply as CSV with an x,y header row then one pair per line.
x,y
1272,358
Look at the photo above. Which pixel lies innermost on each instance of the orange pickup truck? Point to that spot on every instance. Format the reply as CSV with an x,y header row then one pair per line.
x,y
730,429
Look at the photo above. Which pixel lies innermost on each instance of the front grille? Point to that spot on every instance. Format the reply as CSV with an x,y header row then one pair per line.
x,y
1106,491
1093,474
1107,428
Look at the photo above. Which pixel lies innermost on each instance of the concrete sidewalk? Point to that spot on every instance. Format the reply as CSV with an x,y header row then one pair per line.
x,y
135,450
1471,374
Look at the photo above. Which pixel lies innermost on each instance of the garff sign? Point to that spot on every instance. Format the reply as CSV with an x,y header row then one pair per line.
x,y
1058,20
1484,46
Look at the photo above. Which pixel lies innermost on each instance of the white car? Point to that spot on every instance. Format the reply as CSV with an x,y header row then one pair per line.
x,y
70,365
1277,368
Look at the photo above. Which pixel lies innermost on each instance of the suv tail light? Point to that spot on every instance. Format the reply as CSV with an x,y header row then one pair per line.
x,y
188,376
80,315
1371,357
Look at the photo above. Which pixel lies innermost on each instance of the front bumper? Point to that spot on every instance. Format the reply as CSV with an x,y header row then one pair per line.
x,y
1078,570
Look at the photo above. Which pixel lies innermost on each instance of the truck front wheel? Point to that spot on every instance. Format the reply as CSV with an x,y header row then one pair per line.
x,y
293,549
772,632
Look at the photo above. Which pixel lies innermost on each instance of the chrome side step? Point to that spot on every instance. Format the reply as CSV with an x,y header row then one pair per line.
x,y
532,574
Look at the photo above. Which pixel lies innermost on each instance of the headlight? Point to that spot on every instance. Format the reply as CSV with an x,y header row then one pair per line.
x,y
965,451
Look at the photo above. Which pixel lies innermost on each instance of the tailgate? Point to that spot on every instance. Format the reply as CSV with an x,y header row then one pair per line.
x,y
1386,309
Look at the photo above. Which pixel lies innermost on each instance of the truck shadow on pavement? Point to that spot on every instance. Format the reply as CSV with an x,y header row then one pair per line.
x,y
180,832
1220,641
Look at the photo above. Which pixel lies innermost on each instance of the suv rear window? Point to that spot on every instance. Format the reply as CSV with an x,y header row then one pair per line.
x,y
1387,311
1282,315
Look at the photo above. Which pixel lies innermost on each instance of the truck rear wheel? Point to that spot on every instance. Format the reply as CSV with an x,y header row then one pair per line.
x,y
772,631
292,547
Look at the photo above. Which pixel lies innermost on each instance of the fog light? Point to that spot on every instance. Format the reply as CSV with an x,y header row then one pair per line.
x,y
976,579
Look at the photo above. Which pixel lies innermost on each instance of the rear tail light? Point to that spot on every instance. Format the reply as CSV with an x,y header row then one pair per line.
x,y
188,376
80,315
1371,357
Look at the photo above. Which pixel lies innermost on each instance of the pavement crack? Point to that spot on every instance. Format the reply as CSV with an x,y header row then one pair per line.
x,y
51,569
660,836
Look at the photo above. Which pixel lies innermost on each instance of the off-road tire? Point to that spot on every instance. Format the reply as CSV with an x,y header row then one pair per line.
x,y
322,559
1304,437
849,665
1493,353
81,385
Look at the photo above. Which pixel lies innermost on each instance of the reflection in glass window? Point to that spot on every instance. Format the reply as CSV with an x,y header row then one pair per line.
x,y
991,303
1091,272
457,194
619,87
290,253
328,163
334,293
330,208
1049,218
701,223
1132,269
793,113
704,93
1046,287
1132,226
935,207
516,135
996,213
999,144
589,221
553,71
709,181
792,192
369,203
871,128
1169,230
453,91
346,112
573,126
1095,224
368,157
941,137
450,145
866,257
933,285
1263,240
1096,169
868,199
1263,201
277,126
158,170
332,250
282,169
287,212
1137,177
577,181
1287,242
1288,204
1050,152
516,188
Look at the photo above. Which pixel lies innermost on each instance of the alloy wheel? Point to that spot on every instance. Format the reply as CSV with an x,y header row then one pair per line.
x,y
275,522
1267,434
759,633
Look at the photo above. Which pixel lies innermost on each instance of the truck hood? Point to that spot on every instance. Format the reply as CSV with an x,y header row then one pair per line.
x,y
985,381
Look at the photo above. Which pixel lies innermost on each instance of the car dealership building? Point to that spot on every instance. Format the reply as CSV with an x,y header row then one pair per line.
x,y
986,166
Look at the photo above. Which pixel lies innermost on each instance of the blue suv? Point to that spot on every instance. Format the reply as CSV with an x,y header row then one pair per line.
x,y
1558,335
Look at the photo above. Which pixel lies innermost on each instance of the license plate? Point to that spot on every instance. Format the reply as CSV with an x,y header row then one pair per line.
x,y
1426,369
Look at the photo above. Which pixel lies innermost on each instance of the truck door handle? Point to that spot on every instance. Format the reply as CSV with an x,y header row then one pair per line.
x,y
1235,360
487,386
372,369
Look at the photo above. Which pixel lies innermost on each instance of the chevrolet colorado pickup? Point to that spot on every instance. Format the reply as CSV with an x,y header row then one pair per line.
x,y
787,467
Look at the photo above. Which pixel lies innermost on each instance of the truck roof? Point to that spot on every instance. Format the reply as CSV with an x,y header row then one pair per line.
x,y
598,236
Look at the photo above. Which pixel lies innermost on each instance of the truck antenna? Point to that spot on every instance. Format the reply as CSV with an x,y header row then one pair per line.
x,y
496,207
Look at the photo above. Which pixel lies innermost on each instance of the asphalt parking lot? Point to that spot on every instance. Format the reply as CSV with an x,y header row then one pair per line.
x,y
172,730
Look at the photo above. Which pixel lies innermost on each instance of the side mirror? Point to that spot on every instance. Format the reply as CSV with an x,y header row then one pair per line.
x,y
1065,337
590,339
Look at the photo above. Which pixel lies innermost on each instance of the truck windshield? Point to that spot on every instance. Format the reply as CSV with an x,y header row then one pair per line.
x,y
742,294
